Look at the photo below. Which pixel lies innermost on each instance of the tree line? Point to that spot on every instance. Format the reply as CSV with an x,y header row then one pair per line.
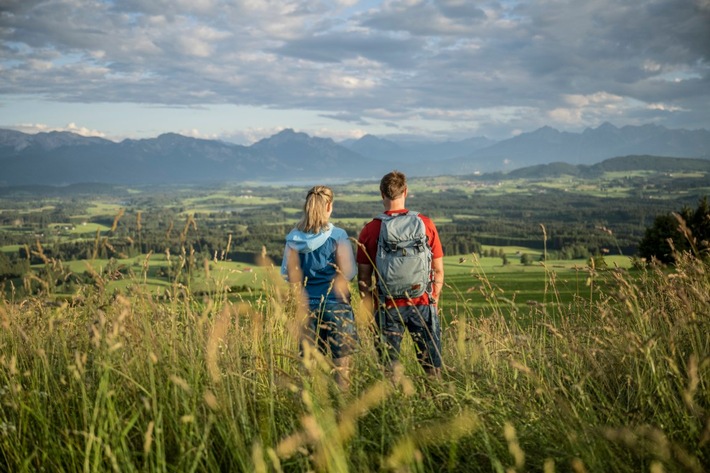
x,y
567,226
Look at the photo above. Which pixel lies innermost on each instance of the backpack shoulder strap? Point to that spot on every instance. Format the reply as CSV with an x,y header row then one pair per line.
x,y
384,216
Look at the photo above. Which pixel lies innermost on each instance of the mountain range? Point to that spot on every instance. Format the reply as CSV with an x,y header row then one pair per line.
x,y
61,158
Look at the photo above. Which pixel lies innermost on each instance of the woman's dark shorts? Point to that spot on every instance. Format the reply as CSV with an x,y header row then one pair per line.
x,y
332,328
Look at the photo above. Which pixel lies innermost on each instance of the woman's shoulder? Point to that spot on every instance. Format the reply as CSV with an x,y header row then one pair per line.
x,y
338,233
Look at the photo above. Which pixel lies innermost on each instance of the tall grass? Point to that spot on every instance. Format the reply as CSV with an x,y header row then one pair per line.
x,y
108,382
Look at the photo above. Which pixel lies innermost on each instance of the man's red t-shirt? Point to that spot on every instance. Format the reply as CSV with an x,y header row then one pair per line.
x,y
368,239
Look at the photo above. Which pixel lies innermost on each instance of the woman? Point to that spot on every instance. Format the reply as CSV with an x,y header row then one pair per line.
x,y
319,259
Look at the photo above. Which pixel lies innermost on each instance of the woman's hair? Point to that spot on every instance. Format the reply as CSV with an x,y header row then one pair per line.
x,y
315,210
393,185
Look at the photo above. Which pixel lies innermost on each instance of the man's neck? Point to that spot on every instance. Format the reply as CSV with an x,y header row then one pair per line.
x,y
393,205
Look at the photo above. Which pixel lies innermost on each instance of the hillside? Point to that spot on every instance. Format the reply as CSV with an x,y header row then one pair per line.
x,y
64,158
547,145
631,163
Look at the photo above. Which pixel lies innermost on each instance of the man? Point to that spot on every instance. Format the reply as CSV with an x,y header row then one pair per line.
x,y
418,314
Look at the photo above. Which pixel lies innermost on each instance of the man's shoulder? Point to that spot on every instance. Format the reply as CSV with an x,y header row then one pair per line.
x,y
428,221
375,222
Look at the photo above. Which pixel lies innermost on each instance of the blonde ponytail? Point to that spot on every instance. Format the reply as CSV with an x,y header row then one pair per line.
x,y
315,210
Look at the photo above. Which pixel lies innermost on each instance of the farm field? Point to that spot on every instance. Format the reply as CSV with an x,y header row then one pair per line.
x,y
552,283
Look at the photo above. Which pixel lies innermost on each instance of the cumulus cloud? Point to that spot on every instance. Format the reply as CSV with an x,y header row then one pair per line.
x,y
71,127
497,66
346,117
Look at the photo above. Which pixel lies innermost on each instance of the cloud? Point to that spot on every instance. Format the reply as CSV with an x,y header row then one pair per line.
x,y
337,47
347,117
663,107
71,127
195,133
427,18
493,67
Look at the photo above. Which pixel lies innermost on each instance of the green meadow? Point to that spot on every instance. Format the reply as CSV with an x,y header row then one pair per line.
x,y
514,283
181,380
151,331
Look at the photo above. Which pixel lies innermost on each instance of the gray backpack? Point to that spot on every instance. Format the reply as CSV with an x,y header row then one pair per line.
x,y
403,258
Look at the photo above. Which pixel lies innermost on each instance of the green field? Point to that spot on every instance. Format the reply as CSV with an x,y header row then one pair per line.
x,y
150,339
479,284
174,381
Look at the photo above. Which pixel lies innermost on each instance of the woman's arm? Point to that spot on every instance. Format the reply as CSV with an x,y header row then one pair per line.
x,y
345,262
345,259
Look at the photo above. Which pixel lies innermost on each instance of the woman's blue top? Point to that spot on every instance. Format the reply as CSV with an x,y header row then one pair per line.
x,y
317,257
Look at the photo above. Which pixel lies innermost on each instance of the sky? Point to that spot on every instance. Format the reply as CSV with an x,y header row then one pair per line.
x,y
242,70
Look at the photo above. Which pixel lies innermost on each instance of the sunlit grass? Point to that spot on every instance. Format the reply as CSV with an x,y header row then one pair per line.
x,y
10,248
154,273
514,281
159,365
139,382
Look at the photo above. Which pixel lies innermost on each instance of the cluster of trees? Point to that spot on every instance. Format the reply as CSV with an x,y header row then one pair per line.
x,y
12,266
575,225
671,233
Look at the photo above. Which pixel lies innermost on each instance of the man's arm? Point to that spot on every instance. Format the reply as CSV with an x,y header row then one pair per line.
x,y
437,265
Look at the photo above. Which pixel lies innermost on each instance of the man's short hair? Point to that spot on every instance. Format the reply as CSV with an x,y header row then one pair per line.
x,y
393,185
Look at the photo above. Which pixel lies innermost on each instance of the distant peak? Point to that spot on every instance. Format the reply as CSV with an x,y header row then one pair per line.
x,y
547,130
171,135
287,132
606,126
